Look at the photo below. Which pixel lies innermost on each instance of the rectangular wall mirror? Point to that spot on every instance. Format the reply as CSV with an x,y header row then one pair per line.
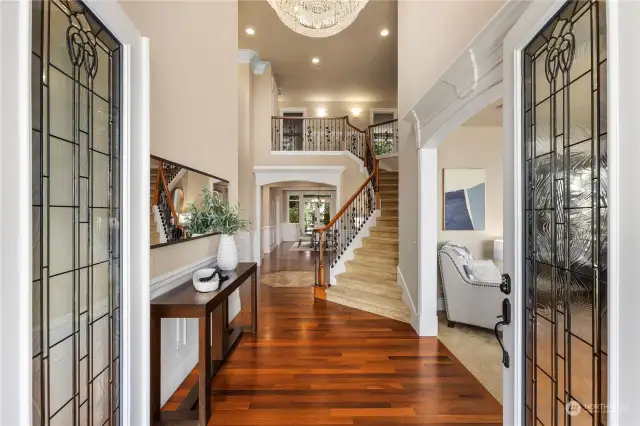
x,y
178,201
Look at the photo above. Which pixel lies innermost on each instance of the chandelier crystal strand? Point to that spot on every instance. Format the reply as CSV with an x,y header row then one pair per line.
x,y
318,18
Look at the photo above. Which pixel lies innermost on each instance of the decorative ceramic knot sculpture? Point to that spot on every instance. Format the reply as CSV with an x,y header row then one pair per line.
x,y
205,280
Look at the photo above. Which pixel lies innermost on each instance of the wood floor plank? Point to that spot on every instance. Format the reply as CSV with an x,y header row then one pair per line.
x,y
319,363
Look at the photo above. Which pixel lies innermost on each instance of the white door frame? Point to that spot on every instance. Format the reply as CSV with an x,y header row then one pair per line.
x,y
623,386
436,115
266,175
278,219
373,111
15,224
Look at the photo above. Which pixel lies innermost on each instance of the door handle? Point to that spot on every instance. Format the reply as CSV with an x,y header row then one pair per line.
x,y
505,320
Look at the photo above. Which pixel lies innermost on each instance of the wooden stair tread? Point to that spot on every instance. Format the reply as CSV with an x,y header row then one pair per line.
x,y
386,256
382,240
362,285
384,228
368,273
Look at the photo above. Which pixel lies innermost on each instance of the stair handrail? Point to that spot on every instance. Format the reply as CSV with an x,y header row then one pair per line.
x,y
346,205
363,204
156,191
394,129
169,198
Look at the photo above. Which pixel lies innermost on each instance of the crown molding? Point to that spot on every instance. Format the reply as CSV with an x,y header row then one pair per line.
x,y
248,56
475,72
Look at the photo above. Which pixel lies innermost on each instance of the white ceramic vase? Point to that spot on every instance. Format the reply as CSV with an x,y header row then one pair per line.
x,y
227,253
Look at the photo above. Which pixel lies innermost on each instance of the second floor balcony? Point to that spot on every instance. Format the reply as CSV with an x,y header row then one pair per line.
x,y
322,134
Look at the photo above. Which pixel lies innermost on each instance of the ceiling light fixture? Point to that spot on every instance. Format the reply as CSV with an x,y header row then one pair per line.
x,y
356,111
317,18
250,31
384,32
315,60
322,112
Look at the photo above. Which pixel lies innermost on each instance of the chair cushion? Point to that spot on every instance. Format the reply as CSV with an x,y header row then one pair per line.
x,y
485,271
469,272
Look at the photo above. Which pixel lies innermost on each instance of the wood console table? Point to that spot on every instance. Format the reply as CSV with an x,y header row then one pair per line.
x,y
185,302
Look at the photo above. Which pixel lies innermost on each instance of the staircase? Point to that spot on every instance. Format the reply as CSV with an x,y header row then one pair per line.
x,y
154,234
369,282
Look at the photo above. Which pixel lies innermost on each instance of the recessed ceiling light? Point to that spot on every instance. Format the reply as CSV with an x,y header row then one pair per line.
x,y
384,32
322,112
250,31
315,60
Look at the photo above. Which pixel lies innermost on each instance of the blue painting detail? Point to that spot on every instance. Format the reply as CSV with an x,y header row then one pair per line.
x,y
456,217
475,199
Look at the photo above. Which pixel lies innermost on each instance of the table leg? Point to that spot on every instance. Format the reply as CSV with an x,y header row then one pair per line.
x,y
204,370
219,333
254,303
154,364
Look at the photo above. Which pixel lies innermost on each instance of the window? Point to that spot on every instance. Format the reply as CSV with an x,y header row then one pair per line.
x,y
294,209
317,210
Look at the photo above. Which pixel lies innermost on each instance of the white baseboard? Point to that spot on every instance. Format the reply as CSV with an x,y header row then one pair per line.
x,y
422,325
349,254
408,300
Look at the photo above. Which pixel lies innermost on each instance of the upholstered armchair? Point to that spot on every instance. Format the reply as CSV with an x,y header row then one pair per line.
x,y
471,287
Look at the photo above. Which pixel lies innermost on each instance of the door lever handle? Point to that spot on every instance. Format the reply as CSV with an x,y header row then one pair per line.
x,y
506,320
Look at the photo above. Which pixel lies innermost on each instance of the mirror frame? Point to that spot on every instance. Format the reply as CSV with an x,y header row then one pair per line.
x,y
170,243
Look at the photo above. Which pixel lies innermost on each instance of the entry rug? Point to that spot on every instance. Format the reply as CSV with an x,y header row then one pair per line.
x,y
288,279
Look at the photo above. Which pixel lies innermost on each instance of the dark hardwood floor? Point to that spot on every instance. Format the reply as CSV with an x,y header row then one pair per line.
x,y
318,363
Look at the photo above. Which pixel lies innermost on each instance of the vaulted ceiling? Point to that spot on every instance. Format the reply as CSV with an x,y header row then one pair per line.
x,y
356,65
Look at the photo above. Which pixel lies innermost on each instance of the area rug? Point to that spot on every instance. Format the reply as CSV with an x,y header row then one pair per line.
x,y
478,350
288,279
304,246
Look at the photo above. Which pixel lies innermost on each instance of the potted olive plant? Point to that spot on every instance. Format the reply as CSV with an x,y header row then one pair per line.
x,y
200,219
226,220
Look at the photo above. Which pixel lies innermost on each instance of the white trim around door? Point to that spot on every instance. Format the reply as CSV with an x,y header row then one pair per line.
x,y
373,111
15,221
266,175
293,109
15,228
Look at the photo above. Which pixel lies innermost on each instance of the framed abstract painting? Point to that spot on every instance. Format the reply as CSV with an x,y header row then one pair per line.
x,y
464,196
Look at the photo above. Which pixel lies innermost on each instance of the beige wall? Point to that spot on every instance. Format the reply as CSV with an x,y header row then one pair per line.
x,y
194,98
421,61
341,109
482,148
246,196
192,184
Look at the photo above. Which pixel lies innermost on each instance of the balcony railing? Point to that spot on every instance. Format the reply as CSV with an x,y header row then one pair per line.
x,y
303,134
384,137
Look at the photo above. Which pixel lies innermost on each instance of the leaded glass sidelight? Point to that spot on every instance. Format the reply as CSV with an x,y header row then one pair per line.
x,y
565,218
76,198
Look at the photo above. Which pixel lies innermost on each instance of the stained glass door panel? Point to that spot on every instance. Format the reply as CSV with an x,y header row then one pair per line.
x,y
76,200
565,219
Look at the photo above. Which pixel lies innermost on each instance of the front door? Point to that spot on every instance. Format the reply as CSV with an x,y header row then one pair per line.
x,y
76,68
559,258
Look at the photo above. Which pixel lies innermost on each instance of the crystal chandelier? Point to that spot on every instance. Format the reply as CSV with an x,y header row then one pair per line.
x,y
317,18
